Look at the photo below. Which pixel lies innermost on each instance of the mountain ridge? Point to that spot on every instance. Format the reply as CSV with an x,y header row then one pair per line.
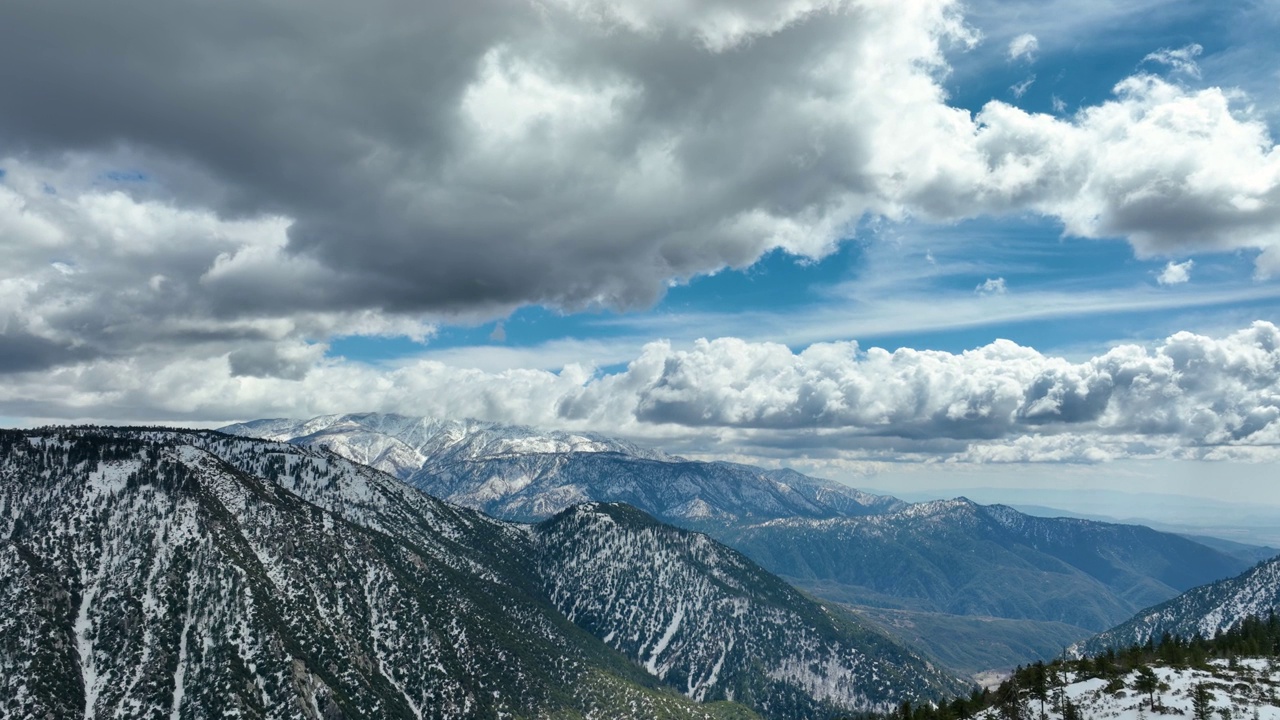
x,y
228,595
520,473
1204,610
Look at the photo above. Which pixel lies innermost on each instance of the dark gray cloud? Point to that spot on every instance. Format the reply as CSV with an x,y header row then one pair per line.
x,y
21,351
450,159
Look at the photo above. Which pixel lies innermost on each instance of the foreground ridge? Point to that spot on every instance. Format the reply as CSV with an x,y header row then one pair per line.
x,y
194,574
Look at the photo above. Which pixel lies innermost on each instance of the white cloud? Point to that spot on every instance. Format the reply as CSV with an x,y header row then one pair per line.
x,y
1189,395
1024,47
1180,60
1020,89
1175,273
992,286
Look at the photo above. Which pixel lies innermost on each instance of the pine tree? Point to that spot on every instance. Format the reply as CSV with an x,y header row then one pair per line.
x,y
1202,702
1147,682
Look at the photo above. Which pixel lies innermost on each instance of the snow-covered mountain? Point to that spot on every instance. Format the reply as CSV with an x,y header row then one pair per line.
x,y
1057,580
711,622
193,574
1202,610
519,473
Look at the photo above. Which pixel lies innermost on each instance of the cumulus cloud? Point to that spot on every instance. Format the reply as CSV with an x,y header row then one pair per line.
x,y
464,159
194,201
1187,395
91,272
1175,273
1024,47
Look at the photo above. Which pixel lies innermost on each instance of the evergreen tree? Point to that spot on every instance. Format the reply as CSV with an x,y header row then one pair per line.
x,y
1147,682
1202,702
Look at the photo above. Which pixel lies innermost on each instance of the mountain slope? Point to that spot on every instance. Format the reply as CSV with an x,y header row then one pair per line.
x,y
961,558
519,473
195,574
711,622
1203,610
1058,579
143,577
971,645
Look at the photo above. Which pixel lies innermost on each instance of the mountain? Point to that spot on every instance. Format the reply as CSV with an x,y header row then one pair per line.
x,y
962,558
519,473
710,621
193,574
1203,610
1034,582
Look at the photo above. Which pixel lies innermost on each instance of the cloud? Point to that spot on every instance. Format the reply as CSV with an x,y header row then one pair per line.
x,y
1188,395
1180,60
195,201
1020,89
992,286
1024,47
1175,273
465,159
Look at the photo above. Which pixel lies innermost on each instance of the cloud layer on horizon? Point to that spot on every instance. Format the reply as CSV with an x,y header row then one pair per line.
x,y
1190,396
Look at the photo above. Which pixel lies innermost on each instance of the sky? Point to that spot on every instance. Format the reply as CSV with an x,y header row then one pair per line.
x,y
933,243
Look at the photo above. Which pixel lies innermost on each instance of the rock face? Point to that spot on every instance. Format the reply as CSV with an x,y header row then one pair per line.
x,y
192,574
519,473
1204,610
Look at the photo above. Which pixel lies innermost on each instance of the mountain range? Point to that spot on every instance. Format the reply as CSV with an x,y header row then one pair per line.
x,y
189,574
520,473
1037,584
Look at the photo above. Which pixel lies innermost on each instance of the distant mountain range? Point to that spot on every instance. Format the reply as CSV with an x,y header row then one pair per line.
x,y
1054,580
1201,611
523,474
1243,520
193,574
958,557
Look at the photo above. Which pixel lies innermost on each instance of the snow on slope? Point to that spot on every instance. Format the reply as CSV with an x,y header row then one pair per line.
x,y
1247,692
707,619
518,473
1202,610
147,574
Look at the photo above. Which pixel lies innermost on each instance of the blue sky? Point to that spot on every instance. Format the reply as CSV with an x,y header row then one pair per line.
x,y
693,225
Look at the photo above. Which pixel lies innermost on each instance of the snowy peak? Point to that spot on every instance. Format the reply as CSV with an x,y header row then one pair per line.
x,y
186,575
518,473
400,445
